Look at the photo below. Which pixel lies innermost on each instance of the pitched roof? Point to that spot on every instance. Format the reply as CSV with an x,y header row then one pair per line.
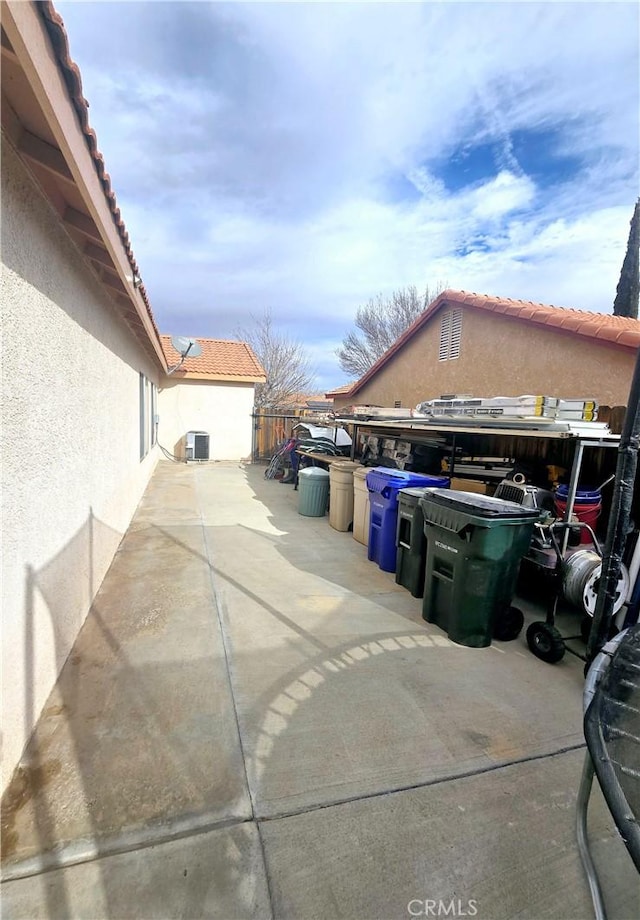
x,y
220,360
618,331
340,391
304,400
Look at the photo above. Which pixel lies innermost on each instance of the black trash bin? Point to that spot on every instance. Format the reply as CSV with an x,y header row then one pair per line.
x,y
474,547
411,543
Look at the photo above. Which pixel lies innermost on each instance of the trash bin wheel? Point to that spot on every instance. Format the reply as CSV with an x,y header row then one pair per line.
x,y
545,642
509,624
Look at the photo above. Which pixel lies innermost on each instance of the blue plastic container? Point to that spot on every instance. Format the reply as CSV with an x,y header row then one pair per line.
x,y
583,496
384,484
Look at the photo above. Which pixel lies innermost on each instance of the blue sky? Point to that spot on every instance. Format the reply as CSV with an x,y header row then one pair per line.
x,y
307,156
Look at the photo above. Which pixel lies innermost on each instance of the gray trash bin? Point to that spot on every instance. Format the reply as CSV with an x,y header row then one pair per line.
x,y
411,543
313,492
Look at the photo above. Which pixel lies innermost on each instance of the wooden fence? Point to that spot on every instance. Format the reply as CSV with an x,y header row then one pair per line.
x,y
613,416
270,429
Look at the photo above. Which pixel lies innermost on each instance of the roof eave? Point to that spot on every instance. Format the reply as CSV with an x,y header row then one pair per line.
x,y
222,378
30,40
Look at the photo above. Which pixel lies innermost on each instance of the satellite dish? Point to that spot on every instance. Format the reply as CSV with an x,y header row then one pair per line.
x,y
186,348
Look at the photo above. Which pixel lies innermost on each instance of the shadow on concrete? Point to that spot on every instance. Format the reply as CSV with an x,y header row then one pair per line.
x,y
62,596
133,718
121,755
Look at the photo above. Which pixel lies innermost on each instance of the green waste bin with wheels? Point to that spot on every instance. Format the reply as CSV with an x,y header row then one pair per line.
x,y
474,547
313,492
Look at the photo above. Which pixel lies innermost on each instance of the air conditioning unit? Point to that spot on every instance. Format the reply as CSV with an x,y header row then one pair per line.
x,y
196,445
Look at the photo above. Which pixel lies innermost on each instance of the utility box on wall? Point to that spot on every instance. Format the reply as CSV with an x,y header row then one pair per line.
x,y
197,445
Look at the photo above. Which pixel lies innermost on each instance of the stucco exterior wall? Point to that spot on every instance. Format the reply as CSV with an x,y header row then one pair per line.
x,y
339,402
71,471
223,410
500,356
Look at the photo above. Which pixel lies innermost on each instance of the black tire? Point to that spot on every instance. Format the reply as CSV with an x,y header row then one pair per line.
x,y
509,624
545,642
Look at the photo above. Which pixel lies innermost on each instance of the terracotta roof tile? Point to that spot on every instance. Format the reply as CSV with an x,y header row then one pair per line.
x,y
340,391
54,25
626,337
219,359
603,327
555,319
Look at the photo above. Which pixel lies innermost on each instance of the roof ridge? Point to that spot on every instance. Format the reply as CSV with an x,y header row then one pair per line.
x,y
202,338
452,294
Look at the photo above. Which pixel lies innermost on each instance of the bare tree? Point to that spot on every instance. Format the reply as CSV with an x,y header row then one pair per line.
x,y
627,292
284,360
379,323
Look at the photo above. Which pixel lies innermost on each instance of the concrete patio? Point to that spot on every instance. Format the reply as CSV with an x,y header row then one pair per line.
x,y
255,721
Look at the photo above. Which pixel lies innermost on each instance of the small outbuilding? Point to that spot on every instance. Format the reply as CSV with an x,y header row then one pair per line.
x,y
214,393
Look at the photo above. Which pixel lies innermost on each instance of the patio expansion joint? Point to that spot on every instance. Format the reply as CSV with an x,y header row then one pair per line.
x,y
80,852
437,781
227,663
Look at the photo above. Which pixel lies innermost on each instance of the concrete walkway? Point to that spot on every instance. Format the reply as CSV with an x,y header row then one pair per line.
x,y
255,721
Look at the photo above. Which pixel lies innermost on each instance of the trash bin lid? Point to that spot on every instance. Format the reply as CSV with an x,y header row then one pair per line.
x,y
414,494
388,480
479,506
314,472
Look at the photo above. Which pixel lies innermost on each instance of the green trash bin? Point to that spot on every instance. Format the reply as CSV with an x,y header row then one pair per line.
x,y
474,547
313,492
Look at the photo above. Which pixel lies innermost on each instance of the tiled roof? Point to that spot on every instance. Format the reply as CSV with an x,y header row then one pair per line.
x,y
340,391
618,331
54,25
220,359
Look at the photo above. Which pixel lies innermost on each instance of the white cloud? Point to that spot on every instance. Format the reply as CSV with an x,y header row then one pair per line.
x,y
502,195
297,155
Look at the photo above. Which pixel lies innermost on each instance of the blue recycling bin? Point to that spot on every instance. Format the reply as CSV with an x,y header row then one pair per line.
x,y
384,484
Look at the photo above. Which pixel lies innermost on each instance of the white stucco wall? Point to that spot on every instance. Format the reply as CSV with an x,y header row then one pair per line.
x,y
221,409
71,472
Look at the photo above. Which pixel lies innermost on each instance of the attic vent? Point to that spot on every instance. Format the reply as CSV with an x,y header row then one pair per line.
x,y
450,335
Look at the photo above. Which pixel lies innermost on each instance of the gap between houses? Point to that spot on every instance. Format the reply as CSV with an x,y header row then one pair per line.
x,y
84,851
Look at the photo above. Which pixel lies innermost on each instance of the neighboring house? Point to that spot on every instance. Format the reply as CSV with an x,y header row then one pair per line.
x,y
214,393
488,346
84,369
304,404
317,405
339,396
